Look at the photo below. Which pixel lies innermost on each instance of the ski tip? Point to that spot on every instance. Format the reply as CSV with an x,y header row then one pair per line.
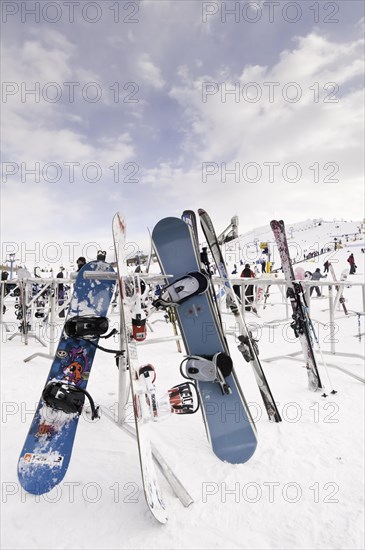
x,y
118,219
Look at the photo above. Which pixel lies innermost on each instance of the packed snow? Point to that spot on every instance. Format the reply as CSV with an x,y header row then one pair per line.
x,y
303,487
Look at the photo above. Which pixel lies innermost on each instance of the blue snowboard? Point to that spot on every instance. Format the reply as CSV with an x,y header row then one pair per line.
x,y
47,450
229,426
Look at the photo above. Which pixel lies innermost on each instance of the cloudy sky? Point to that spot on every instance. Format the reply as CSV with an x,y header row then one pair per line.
x,y
150,107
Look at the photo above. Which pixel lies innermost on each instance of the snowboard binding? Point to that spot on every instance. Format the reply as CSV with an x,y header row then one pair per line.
x,y
86,326
176,293
66,397
208,369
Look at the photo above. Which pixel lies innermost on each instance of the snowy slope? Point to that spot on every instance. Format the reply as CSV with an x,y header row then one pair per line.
x,y
303,488
303,237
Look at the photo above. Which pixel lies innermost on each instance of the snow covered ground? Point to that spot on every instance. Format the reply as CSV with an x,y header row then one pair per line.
x,y
303,487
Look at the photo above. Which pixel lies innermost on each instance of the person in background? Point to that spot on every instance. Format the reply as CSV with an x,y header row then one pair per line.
x,y
316,277
236,288
80,263
263,264
61,291
247,272
326,266
351,261
4,277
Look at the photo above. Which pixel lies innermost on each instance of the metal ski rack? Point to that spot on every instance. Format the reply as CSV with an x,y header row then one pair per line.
x,y
53,285
24,282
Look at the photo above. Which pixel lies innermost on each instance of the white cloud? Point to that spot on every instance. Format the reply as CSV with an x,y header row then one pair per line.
x,y
322,133
149,72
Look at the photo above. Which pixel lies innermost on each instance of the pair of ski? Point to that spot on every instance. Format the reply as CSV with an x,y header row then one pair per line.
x,y
301,324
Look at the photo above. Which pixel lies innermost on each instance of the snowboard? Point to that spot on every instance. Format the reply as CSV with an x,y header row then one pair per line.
x,y
47,450
229,425
142,415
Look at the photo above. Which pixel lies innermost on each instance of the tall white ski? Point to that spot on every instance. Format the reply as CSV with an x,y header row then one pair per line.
x,y
151,486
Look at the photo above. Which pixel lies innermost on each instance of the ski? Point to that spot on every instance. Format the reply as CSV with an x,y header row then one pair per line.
x,y
248,346
47,450
301,321
189,217
229,425
142,408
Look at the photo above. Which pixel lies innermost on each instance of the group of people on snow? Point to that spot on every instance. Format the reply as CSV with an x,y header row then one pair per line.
x,y
248,273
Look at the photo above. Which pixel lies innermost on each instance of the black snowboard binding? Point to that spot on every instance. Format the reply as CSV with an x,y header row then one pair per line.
x,y
208,369
191,284
86,326
66,397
